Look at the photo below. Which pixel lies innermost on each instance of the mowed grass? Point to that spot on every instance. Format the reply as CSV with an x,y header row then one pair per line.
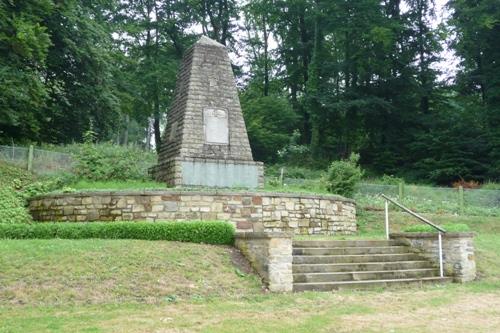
x,y
52,272
88,185
432,309
154,286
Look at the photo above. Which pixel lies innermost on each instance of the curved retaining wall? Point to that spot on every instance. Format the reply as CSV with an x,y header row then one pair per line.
x,y
249,211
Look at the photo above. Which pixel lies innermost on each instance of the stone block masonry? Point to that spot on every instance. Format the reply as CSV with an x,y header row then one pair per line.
x,y
458,251
270,254
206,142
249,211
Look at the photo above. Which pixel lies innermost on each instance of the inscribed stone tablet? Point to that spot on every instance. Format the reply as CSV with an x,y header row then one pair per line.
x,y
173,132
215,124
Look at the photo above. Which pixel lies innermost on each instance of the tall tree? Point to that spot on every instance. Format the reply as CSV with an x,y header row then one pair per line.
x,y
24,44
476,27
152,33
217,18
78,73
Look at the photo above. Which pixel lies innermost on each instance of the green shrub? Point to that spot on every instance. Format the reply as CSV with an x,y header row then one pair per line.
x,y
450,227
12,207
209,232
343,176
107,161
18,185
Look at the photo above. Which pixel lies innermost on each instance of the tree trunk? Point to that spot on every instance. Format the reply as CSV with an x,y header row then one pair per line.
x,y
266,60
127,127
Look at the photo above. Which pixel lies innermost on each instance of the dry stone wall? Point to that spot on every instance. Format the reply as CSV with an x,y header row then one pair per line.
x,y
249,211
270,254
458,251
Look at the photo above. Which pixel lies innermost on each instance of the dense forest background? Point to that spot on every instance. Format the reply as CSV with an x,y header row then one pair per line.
x,y
320,78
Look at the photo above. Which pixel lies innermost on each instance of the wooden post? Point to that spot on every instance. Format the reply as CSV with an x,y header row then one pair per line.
x,y
401,191
282,176
30,158
461,199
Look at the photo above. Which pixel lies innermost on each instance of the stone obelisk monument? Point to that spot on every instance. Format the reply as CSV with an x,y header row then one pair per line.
x,y
205,142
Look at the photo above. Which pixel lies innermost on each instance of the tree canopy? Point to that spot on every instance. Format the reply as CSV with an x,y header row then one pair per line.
x,y
333,76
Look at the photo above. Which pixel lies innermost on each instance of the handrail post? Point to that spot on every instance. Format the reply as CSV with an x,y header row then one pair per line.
x,y
440,245
387,219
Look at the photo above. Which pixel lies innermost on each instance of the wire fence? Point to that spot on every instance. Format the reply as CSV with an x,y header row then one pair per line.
x,y
441,195
39,161
442,198
45,162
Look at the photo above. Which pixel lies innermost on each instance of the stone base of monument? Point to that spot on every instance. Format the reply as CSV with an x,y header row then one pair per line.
x,y
248,211
206,172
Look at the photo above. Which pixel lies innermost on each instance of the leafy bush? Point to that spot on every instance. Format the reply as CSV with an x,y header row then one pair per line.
x,y
209,232
343,176
12,207
14,176
450,227
46,185
295,153
111,162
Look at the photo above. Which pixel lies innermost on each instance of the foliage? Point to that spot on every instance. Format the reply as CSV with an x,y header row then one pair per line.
x,y
343,76
471,184
106,161
343,176
476,26
269,121
290,171
450,227
12,204
430,200
490,186
24,44
294,153
12,207
12,176
17,186
209,232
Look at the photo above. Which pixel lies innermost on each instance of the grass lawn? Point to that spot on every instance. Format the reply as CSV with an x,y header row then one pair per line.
x,y
118,185
155,286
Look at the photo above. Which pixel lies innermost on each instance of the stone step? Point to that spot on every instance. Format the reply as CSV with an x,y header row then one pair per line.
x,y
315,251
344,243
352,267
365,275
357,258
366,284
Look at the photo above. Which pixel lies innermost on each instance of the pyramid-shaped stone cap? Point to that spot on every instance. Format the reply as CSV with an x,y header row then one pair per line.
x,y
204,40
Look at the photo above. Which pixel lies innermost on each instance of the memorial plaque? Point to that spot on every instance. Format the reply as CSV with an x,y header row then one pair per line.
x,y
215,125
173,131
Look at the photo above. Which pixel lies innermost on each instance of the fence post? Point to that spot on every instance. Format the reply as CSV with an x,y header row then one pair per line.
x,y
282,176
401,190
30,158
461,199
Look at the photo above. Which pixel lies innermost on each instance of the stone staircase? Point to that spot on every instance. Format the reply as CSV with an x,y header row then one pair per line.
x,y
358,264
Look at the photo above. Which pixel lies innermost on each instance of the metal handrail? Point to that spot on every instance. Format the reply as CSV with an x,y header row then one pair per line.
x,y
421,218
